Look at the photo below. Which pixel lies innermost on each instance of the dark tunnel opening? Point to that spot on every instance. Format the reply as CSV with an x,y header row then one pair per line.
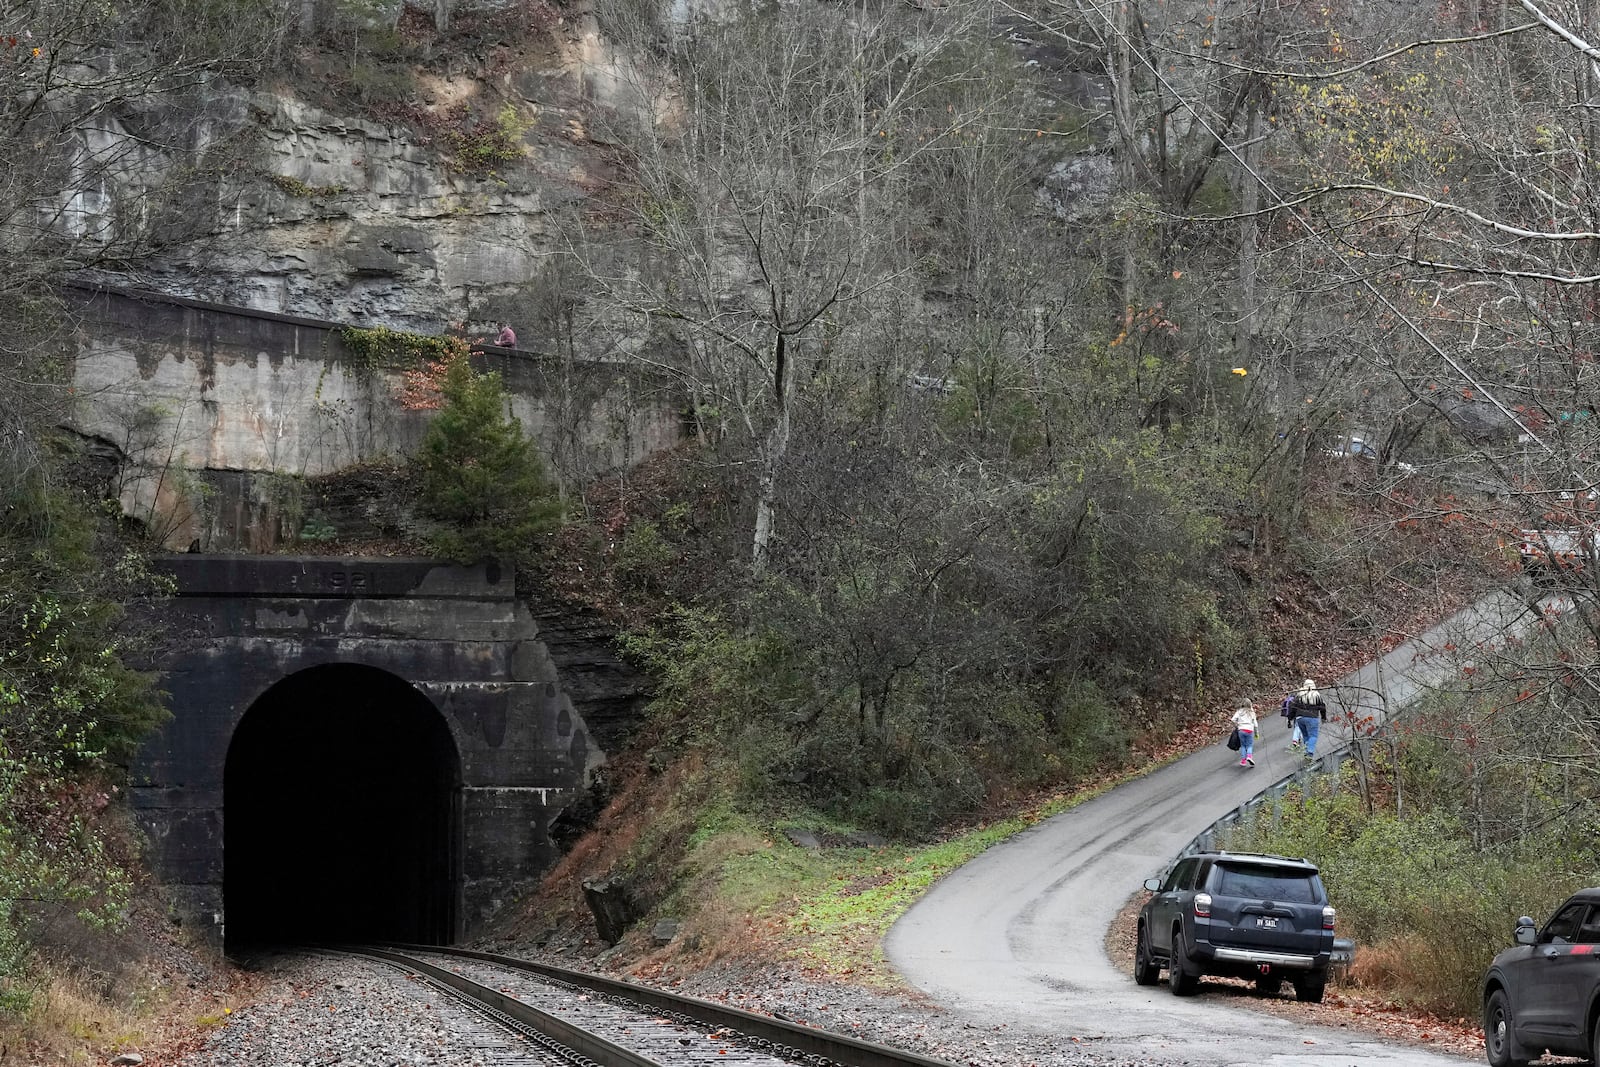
x,y
340,814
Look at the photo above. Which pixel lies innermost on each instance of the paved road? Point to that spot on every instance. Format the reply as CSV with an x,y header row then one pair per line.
x,y
1017,935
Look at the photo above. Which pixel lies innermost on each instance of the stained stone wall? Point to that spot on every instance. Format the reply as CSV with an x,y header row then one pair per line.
x,y
204,404
457,635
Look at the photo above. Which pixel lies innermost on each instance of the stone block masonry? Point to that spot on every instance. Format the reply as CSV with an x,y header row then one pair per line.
x,y
358,748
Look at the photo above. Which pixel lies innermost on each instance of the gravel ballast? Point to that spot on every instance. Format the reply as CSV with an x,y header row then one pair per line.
x,y
333,1011
341,1012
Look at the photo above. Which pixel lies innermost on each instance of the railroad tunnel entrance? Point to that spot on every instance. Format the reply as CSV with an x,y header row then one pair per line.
x,y
341,814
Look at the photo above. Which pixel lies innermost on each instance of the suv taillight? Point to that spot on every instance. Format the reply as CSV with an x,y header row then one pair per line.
x,y
1202,905
1328,917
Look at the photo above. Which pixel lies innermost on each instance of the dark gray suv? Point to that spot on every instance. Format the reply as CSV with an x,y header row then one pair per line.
x,y
1544,992
1241,915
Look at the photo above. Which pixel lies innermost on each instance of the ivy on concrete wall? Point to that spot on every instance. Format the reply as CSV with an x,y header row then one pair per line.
x,y
380,348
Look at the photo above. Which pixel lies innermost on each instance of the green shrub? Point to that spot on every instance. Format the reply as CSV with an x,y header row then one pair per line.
x,y
1089,730
902,812
69,707
317,529
1414,892
479,475
481,147
65,693
642,552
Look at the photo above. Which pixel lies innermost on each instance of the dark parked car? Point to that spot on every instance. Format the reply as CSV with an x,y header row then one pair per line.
x,y
1238,914
1544,992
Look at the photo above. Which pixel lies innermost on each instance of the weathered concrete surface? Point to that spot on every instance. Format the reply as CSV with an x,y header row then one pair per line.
x,y
456,635
179,387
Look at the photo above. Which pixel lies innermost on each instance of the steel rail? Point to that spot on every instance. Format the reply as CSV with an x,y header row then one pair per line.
x,y
591,1046
808,1041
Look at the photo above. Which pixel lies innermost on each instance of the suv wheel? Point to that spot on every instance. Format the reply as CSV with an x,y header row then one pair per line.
x,y
1146,971
1310,988
1497,1042
1180,978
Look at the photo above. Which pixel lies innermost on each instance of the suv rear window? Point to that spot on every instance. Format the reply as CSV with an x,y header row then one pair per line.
x,y
1266,883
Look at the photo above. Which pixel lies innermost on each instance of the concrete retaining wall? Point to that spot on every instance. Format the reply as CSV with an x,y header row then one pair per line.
x,y
196,397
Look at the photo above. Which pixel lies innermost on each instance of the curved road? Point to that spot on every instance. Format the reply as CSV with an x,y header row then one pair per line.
x,y
1017,935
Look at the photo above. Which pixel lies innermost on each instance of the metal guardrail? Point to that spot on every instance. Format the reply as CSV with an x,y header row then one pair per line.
x,y
89,291
1273,794
1344,949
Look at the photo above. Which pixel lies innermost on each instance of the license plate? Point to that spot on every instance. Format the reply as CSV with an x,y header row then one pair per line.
x,y
1266,923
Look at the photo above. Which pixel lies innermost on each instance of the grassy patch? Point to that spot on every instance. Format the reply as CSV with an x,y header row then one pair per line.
x,y
829,908
70,1020
743,892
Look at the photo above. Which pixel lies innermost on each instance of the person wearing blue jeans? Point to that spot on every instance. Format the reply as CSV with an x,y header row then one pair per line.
x,y
1311,711
1244,719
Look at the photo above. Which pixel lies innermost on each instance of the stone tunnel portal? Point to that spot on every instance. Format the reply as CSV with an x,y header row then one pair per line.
x,y
341,823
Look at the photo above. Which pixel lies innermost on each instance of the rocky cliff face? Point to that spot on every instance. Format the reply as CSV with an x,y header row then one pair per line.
x,y
339,215
336,213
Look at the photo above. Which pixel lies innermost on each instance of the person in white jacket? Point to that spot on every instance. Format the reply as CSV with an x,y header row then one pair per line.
x,y
1245,719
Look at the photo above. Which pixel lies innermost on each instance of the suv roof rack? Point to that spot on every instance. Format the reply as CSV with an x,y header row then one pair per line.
x,y
1254,856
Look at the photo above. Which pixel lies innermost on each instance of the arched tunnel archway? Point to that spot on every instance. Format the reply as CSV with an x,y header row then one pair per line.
x,y
341,817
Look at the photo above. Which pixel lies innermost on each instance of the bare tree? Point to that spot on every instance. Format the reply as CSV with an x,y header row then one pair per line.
x,y
766,168
113,125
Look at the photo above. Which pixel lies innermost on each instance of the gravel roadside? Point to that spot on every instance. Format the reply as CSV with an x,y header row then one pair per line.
x,y
902,1020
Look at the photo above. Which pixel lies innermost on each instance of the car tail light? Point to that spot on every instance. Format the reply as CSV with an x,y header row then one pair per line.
x,y
1328,917
1202,905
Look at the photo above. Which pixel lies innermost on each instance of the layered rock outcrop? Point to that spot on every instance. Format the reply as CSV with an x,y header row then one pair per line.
x,y
335,214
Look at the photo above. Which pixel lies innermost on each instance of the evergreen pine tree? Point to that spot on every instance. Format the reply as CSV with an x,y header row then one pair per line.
x,y
480,475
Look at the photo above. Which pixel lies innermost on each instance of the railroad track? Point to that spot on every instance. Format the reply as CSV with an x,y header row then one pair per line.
x,y
573,1017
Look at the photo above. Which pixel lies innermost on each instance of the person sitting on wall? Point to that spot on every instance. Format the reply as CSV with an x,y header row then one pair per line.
x,y
507,338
